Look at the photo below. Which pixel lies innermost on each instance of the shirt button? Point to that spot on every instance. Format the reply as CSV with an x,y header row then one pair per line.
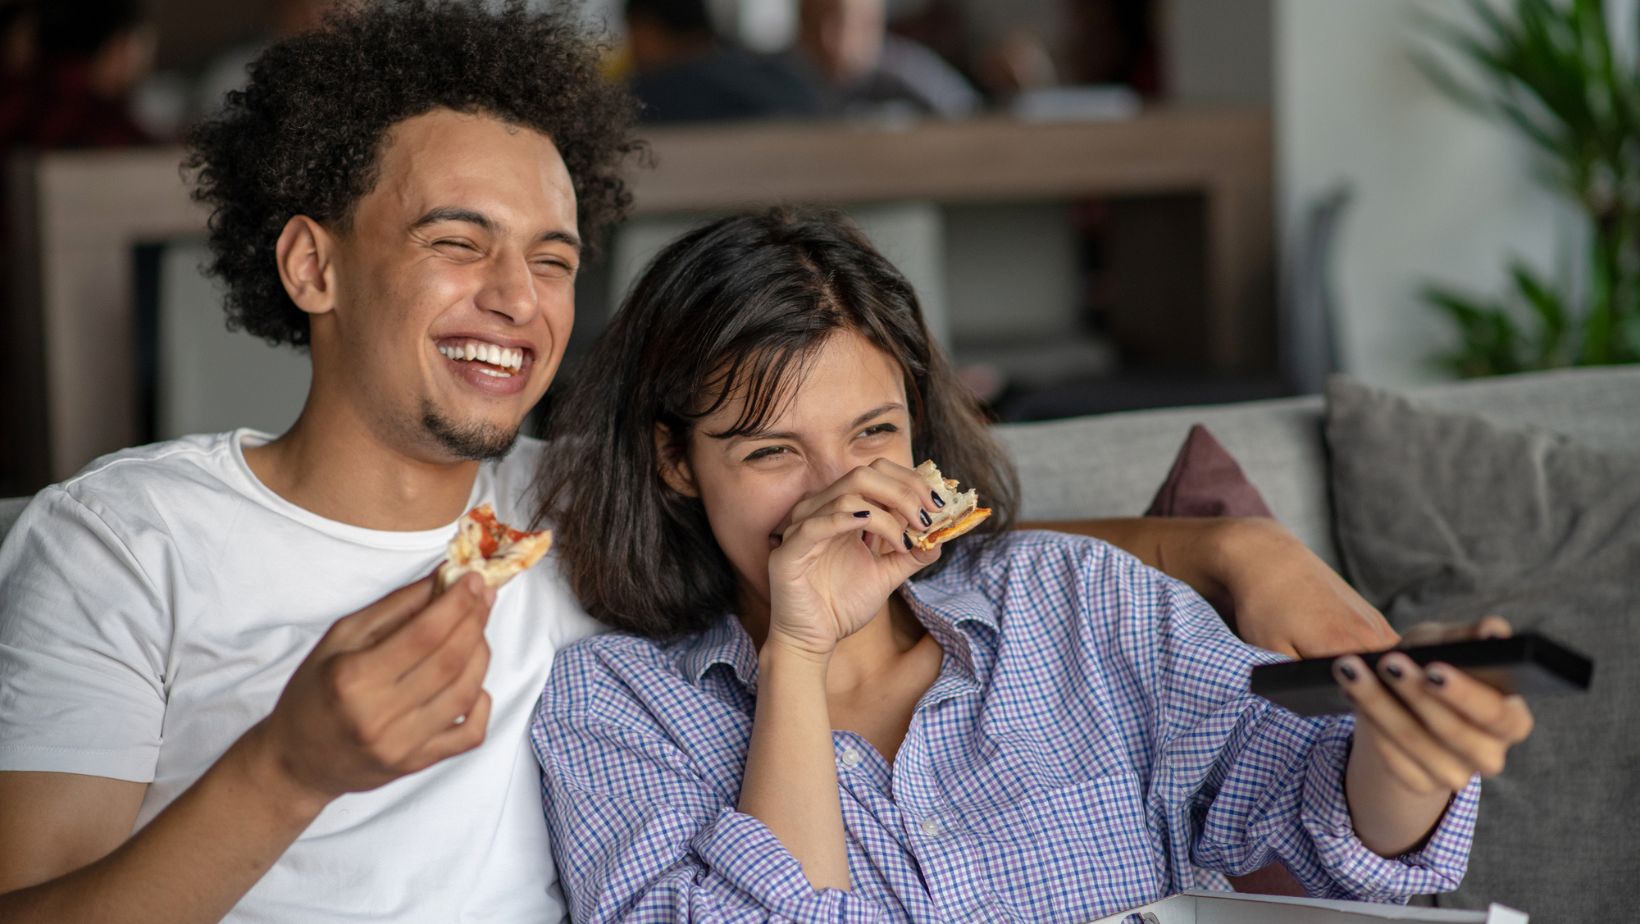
x,y
851,757
930,827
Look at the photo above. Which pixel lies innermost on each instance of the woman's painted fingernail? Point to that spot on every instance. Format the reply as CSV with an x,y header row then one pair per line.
x,y
1436,676
862,514
907,538
1348,672
1394,670
938,501
927,520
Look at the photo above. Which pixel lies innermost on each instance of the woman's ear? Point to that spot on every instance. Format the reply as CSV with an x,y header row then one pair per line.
x,y
675,470
305,252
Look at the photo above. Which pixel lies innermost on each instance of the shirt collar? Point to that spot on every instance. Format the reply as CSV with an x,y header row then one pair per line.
x,y
961,619
724,642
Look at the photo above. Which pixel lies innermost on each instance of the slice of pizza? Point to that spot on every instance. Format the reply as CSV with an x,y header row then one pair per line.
x,y
960,514
490,547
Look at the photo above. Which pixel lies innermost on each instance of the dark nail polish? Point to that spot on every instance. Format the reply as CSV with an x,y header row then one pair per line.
x,y
1394,670
907,538
1347,671
1437,677
938,501
927,520
862,514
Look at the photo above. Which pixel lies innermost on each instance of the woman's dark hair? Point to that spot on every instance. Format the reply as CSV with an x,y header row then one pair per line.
x,y
736,307
305,136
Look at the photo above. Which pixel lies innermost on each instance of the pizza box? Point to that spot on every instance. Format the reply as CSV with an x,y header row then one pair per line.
x,y
1235,908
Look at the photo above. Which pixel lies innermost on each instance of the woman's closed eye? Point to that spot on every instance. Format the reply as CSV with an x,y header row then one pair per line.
x,y
882,429
765,452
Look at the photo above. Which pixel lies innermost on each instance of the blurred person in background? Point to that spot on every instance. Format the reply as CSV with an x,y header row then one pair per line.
x,y
1114,42
866,68
682,72
88,58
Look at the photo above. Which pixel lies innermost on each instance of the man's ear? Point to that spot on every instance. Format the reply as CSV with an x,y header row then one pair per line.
x,y
306,256
675,470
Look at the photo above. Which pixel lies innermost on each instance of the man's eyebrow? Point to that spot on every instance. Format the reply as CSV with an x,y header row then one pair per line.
x,y
562,237
456,213
453,213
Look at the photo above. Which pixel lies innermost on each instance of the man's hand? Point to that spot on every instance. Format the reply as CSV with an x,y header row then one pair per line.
x,y
1288,601
1272,590
388,691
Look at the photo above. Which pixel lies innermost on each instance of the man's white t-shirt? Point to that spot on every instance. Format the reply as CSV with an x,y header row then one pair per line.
x,y
152,609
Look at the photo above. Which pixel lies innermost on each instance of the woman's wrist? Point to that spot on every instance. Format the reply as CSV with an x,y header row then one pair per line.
x,y
1391,819
782,651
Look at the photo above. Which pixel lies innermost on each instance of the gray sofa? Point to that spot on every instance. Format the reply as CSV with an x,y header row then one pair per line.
x,y
1111,466
1527,504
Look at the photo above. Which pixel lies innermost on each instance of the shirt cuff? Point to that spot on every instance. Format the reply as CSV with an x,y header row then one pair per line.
x,y
746,855
1438,866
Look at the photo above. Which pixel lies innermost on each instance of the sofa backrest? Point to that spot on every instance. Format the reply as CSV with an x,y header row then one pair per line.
x,y
1111,465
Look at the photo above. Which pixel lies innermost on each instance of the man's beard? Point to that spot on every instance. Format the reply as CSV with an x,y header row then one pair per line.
x,y
474,441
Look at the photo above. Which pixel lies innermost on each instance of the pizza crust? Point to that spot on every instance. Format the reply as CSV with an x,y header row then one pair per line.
x,y
491,549
960,514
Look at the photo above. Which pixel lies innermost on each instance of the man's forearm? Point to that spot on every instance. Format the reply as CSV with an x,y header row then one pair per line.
x,y
1192,550
194,861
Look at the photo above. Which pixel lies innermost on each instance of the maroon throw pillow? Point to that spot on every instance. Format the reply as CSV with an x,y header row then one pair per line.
x,y
1206,481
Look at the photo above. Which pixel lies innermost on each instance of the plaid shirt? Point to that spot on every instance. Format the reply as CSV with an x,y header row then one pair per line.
x,y
1089,742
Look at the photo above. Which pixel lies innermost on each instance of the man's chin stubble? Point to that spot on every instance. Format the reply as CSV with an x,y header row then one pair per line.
x,y
473,441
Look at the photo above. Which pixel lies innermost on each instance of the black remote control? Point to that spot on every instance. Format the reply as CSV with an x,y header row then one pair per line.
x,y
1528,664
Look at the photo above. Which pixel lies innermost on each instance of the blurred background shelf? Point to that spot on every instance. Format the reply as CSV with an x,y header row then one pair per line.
x,y
981,214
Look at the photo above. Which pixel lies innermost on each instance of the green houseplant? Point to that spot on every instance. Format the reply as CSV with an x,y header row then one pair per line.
x,y
1549,69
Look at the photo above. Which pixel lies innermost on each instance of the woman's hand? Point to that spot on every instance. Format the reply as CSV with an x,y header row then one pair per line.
x,y
843,553
1421,733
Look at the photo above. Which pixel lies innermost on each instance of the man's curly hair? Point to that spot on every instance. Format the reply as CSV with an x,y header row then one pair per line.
x,y
305,136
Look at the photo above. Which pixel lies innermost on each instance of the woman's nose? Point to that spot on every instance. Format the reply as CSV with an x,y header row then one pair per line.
x,y
826,470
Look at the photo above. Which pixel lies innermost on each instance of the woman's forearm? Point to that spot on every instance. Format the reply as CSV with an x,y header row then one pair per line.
x,y
791,776
1389,817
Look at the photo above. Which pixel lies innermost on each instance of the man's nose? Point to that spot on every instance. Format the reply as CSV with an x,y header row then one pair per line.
x,y
509,288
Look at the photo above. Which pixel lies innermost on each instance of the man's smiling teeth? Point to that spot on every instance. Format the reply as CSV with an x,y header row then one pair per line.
x,y
476,351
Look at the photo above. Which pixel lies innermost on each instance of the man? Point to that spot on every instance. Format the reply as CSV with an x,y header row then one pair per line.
x,y
865,68
396,193
213,702
681,72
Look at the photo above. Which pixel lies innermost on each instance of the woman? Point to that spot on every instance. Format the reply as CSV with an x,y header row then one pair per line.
x,y
1035,728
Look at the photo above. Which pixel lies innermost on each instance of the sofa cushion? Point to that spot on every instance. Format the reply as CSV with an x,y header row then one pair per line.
x,y
1206,481
1445,516
1107,466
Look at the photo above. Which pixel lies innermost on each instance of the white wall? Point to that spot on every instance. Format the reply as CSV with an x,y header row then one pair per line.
x,y
1440,195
